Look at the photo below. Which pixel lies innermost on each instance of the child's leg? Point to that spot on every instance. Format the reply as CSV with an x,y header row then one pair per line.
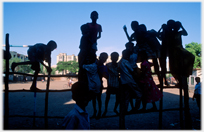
x,y
154,106
117,102
13,65
37,70
137,103
99,105
131,103
144,104
106,103
94,107
156,68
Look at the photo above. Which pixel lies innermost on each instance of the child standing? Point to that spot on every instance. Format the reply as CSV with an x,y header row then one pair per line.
x,y
129,86
102,72
151,93
78,118
113,82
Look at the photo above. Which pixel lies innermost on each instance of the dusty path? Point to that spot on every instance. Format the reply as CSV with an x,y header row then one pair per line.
x,y
60,103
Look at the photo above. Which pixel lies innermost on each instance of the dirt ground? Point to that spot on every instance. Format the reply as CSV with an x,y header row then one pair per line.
x,y
60,103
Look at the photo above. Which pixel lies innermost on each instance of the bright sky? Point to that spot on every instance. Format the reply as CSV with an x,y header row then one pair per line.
x,y
29,23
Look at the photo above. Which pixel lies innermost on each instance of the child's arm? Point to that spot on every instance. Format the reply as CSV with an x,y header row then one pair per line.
x,y
129,38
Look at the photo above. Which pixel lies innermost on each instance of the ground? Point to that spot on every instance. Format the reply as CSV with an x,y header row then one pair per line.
x,y
60,103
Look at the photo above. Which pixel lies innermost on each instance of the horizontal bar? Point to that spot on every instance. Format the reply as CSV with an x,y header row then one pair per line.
x,y
18,45
172,109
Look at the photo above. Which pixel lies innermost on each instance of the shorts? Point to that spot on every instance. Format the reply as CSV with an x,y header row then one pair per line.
x,y
112,90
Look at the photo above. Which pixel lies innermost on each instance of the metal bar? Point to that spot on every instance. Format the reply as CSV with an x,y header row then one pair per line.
x,y
18,45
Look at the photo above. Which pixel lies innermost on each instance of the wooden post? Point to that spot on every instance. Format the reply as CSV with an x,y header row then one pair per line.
x,y
46,100
181,105
6,99
161,101
188,120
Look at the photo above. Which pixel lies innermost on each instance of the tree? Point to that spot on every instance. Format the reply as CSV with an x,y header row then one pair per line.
x,y
20,68
53,71
61,66
195,49
73,66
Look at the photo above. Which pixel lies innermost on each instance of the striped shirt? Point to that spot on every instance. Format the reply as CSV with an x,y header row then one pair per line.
x,y
113,79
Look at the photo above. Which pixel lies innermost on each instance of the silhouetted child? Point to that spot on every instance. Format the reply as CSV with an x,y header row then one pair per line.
x,y
103,73
113,82
133,60
129,86
78,118
180,60
90,33
163,36
37,54
151,93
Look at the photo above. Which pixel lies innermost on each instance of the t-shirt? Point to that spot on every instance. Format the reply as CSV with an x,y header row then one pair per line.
x,y
93,77
113,78
125,75
198,88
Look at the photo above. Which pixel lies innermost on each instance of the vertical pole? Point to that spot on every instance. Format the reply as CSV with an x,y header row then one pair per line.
x,y
46,100
34,111
161,102
6,100
188,120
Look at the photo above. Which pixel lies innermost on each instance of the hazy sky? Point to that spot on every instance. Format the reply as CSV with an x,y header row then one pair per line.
x,y
29,23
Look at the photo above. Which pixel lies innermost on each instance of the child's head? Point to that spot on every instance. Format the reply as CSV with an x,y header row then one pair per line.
x,y
143,28
126,54
52,45
134,25
177,25
197,79
114,57
80,93
129,46
170,24
94,15
103,57
84,29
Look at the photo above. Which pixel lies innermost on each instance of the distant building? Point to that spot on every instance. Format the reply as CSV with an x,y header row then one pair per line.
x,y
14,54
64,57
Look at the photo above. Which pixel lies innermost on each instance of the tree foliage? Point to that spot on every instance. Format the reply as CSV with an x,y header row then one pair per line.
x,y
19,68
195,49
71,66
